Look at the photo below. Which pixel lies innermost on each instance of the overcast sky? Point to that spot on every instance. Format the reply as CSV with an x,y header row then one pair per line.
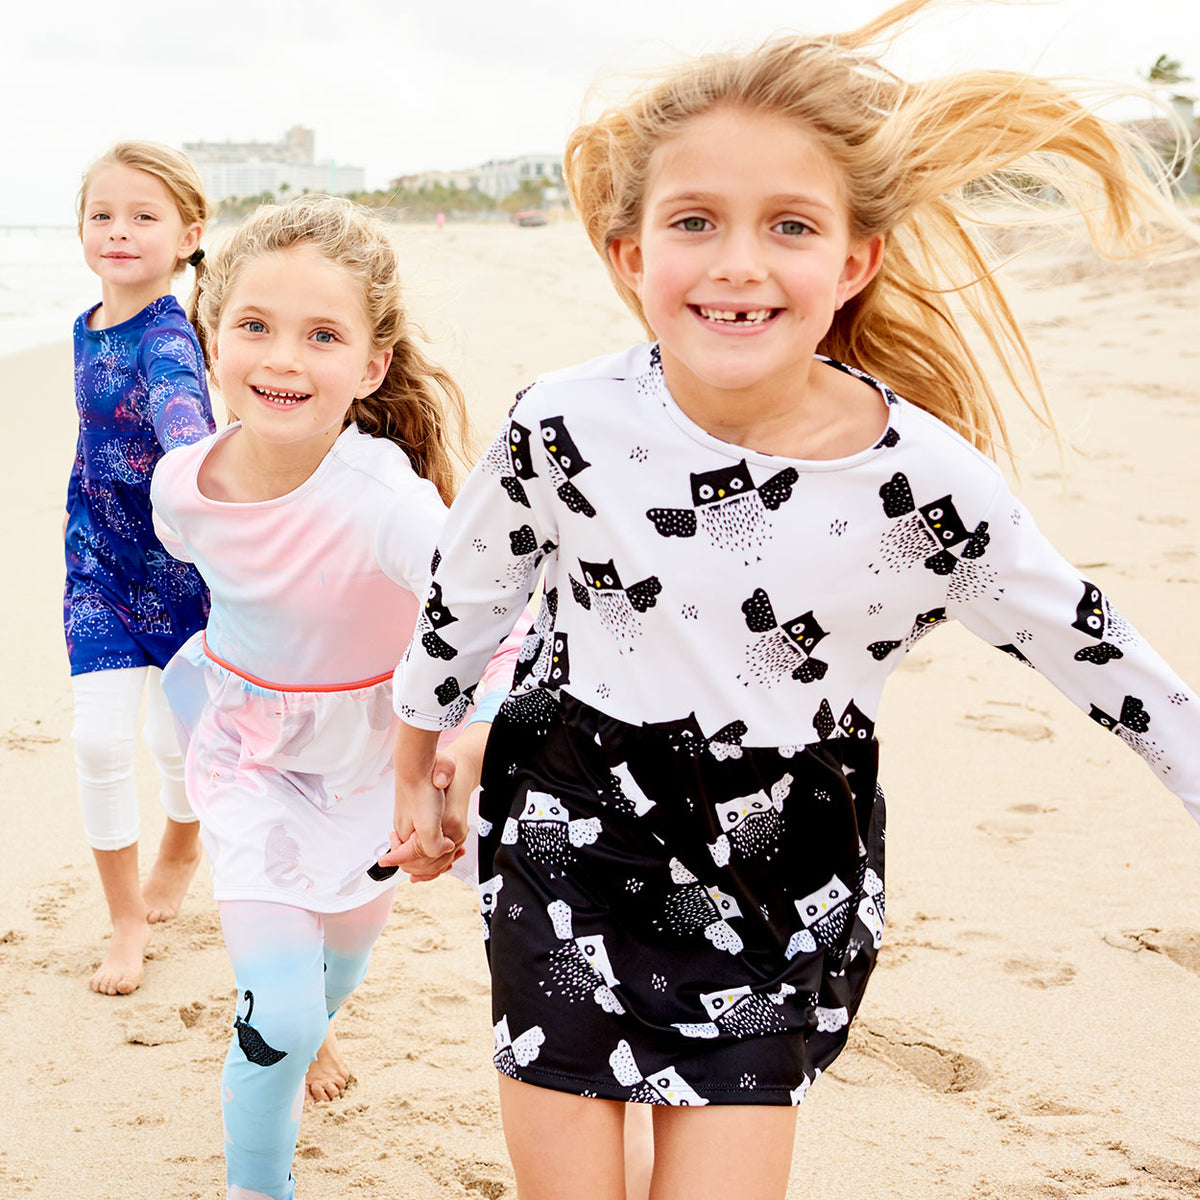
x,y
395,86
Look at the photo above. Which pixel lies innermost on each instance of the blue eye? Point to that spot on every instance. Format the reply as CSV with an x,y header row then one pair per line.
x,y
324,337
254,326
792,228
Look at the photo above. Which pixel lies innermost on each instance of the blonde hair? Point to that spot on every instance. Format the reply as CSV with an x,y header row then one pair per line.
x,y
417,405
172,168
911,157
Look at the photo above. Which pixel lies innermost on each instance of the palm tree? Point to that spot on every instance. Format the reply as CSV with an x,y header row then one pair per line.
x,y
1166,72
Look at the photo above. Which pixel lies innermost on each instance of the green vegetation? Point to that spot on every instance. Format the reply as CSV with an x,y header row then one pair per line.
x,y
405,205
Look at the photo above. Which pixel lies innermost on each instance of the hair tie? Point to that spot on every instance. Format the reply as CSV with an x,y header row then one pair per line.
x,y
196,257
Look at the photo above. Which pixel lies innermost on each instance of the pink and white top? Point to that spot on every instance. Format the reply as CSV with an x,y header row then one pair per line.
x,y
304,586
286,699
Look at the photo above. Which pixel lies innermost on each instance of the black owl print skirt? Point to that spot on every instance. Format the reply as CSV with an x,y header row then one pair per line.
x,y
672,920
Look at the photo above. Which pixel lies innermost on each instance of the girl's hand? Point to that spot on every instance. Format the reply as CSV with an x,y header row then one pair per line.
x,y
427,834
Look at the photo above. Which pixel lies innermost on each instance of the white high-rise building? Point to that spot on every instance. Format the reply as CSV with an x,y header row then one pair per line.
x,y
283,168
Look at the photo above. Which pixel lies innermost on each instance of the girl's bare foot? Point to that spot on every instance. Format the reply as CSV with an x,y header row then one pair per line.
x,y
121,971
329,1076
167,884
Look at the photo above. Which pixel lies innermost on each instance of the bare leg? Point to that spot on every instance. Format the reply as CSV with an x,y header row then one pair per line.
x,y
121,971
737,1152
639,1150
562,1146
328,1074
178,857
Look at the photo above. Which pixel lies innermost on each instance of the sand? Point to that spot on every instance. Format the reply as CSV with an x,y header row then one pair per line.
x,y
1031,1031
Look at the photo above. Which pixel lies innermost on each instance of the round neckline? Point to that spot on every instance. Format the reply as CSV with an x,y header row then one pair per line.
x,y
734,450
298,490
140,317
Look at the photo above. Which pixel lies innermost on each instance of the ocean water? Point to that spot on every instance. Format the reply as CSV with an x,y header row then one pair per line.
x,y
44,285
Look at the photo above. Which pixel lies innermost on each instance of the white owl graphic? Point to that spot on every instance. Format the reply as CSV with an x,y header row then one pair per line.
x,y
664,1086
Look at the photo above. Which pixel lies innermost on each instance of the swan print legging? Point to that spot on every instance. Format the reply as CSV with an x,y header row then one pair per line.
x,y
293,969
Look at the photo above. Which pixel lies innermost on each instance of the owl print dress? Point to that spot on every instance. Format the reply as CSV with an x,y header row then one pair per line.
x,y
682,836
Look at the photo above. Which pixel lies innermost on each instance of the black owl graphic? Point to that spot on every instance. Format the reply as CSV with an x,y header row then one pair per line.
x,y
935,536
924,622
685,736
452,699
532,659
565,464
727,506
853,723
1096,617
527,554
510,456
1131,727
786,648
616,604
435,616
559,671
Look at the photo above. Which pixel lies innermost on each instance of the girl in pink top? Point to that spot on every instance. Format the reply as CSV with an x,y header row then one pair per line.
x,y
313,520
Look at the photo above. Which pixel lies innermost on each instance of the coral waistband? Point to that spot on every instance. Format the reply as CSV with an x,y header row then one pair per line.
x,y
291,687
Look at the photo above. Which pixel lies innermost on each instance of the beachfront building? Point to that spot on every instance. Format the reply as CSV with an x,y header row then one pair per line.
x,y
464,180
286,167
503,177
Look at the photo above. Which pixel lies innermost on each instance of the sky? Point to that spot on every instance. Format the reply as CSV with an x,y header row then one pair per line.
x,y
397,87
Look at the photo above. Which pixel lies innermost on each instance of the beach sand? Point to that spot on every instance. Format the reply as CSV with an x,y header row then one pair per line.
x,y
1032,1029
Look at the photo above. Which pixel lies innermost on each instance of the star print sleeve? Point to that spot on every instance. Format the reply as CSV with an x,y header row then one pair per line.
x,y
177,394
1040,609
500,530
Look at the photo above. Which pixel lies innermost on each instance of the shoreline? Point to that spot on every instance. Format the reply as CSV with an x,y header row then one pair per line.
x,y
1029,1030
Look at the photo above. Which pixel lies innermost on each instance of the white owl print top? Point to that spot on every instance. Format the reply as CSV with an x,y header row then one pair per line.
x,y
764,598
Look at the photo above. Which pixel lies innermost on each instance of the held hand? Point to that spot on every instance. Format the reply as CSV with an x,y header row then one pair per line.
x,y
411,859
419,843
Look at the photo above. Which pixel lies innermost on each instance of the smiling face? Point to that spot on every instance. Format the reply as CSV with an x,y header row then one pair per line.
x,y
133,236
293,349
743,256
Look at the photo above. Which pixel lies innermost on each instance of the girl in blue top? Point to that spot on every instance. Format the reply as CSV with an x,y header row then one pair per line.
x,y
128,605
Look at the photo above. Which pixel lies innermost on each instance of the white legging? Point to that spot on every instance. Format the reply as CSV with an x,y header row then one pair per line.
x,y
105,735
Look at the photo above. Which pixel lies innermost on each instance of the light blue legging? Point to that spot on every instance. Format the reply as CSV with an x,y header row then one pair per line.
x,y
293,969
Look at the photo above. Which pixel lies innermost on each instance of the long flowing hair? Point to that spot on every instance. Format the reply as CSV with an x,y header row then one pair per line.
x,y
921,163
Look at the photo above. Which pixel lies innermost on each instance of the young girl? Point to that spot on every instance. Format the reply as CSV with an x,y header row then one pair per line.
x,y
313,519
744,529
128,606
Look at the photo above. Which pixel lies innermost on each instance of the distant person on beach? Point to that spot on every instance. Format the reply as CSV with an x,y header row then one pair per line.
x,y
745,524
313,518
128,606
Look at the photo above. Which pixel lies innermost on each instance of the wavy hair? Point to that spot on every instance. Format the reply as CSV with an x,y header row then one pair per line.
x,y
922,164
417,405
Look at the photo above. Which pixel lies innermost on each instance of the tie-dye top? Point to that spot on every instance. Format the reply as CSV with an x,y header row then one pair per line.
x,y
140,390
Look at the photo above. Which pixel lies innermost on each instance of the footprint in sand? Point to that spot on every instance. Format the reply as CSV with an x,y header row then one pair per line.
x,y
921,1057
1026,728
1040,973
1181,946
